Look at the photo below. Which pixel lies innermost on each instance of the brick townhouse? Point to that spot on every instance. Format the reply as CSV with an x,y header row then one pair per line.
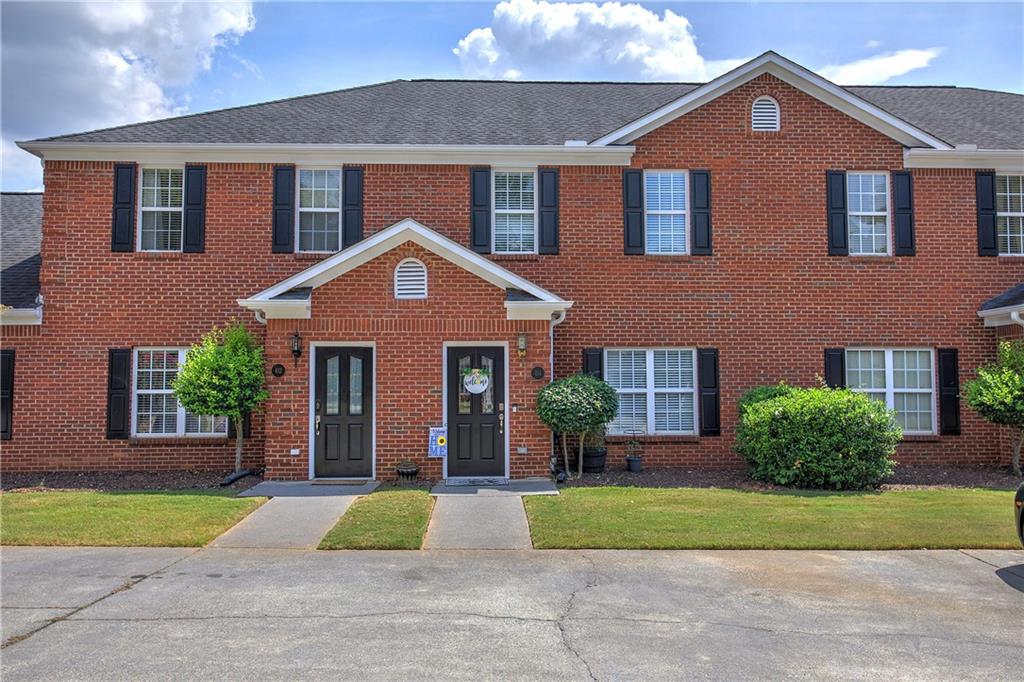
x,y
423,253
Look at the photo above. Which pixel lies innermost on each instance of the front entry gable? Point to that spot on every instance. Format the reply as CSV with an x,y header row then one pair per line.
x,y
292,297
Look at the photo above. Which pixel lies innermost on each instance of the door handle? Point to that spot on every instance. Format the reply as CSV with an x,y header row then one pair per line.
x,y
501,418
318,425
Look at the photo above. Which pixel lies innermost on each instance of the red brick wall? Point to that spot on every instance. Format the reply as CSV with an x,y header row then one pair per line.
x,y
770,298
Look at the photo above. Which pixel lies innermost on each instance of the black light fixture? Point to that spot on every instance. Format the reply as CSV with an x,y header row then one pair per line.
x,y
296,346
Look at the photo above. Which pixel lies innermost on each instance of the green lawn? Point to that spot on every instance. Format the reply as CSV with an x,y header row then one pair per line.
x,y
187,518
691,518
387,519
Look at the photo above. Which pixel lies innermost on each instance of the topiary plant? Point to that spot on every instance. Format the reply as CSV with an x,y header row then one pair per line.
x,y
998,393
819,438
578,404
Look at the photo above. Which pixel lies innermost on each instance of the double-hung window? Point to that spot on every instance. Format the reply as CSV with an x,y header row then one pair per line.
x,y
867,196
515,211
319,215
156,410
163,194
903,379
665,211
1010,214
656,390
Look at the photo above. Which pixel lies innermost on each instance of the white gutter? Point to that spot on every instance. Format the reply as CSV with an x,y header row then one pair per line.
x,y
1015,316
1009,160
1000,317
21,316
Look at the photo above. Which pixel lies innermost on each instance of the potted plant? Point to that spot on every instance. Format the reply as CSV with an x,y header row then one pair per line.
x,y
576,405
634,453
594,452
407,470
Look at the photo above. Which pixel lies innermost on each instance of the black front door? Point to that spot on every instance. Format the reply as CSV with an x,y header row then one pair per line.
x,y
476,411
343,413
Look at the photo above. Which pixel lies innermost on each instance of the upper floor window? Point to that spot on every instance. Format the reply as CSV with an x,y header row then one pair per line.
x,y
156,409
163,192
764,114
900,378
656,390
665,211
411,279
1010,214
319,215
515,212
868,213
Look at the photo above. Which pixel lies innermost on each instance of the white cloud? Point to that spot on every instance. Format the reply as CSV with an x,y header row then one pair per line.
x,y
880,68
610,41
69,67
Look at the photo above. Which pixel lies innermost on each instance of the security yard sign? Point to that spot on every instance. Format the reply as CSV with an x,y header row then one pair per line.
x,y
438,441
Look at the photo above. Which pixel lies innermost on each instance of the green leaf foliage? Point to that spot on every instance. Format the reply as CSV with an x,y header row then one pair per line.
x,y
577,404
819,438
223,374
998,392
760,393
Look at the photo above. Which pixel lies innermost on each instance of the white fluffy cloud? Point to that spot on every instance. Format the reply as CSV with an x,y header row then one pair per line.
x,y
879,68
69,67
614,41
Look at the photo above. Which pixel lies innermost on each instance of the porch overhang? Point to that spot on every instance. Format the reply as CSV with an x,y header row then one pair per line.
x,y
1005,309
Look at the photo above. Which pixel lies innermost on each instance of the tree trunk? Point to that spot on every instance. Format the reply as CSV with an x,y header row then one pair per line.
x,y
239,424
1016,455
582,435
565,455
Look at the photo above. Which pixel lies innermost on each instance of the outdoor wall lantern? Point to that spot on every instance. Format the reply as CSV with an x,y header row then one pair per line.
x,y
296,346
521,344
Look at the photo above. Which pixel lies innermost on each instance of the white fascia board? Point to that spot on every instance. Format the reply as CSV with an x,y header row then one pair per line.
x,y
534,310
333,154
278,310
1006,160
1000,317
21,316
793,74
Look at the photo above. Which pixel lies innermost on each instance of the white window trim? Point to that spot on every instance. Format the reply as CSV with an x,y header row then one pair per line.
x,y
426,279
180,432
141,209
1008,214
650,390
686,213
299,210
495,211
891,391
778,114
887,212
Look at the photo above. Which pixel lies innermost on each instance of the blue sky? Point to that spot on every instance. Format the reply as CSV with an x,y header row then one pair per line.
x,y
71,67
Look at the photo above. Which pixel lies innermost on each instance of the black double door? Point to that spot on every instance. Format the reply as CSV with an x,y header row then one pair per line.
x,y
476,411
343,413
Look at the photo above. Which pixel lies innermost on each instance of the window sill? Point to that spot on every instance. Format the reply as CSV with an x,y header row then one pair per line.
x,y
921,438
164,255
654,438
313,255
516,256
178,440
873,259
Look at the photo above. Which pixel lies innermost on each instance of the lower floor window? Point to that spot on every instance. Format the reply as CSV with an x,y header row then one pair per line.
x,y
656,390
157,412
903,379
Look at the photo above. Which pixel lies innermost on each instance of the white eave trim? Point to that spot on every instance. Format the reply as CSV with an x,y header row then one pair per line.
x,y
333,154
21,316
278,310
1006,160
788,72
1001,317
535,310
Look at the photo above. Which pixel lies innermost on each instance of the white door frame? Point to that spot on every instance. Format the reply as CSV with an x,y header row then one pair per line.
x,y
444,396
311,446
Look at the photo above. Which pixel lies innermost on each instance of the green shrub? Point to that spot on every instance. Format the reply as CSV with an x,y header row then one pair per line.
x,y
578,404
998,393
761,393
819,438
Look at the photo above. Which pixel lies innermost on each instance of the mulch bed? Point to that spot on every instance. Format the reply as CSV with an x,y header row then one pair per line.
x,y
121,480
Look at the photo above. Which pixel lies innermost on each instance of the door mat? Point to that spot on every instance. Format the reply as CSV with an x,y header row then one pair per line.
x,y
345,482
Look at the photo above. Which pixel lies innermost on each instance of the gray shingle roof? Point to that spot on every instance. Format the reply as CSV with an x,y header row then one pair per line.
x,y
1010,297
543,113
21,232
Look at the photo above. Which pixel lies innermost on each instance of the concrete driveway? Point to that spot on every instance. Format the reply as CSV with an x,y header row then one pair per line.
x,y
280,614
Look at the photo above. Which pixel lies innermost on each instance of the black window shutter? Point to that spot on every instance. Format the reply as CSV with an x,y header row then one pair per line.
x,y
633,210
547,201
195,210
480,209
707,377
985,195
122,233
700,210
949,392
284,209
119,393
246,426
835,192
903,213
6,393
835,367
352,205
593,362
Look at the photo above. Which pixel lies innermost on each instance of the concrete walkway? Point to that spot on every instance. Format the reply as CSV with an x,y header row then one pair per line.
x,y
482,517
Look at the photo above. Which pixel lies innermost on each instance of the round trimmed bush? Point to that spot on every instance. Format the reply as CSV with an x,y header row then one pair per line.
x,y
762,393
819,438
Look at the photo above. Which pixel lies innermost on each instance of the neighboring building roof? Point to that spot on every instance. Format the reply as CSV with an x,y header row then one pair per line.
x,y
21,231
1009,298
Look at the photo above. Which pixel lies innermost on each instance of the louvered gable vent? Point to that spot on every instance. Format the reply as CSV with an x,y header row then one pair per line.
x,y
764,115
411,279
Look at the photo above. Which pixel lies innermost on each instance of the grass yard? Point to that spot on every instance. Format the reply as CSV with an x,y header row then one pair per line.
x,y
187,518
387,519
696,518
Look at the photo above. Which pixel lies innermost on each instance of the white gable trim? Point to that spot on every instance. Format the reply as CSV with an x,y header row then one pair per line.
x,y
792,74
380,243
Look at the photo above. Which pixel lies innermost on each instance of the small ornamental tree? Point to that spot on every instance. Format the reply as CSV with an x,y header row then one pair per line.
x,y
223,375
577,405
998,393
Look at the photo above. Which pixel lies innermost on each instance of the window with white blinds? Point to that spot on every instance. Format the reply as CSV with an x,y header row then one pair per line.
x,y
665,209
1010,214
656,390
515,212
156,409
764,115
161,206
867,196
411,279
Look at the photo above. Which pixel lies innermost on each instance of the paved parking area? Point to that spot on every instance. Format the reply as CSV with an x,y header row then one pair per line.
x,y
292,614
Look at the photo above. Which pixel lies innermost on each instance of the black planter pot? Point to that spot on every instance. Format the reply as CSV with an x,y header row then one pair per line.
x,y
635,464
593,460
408,471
